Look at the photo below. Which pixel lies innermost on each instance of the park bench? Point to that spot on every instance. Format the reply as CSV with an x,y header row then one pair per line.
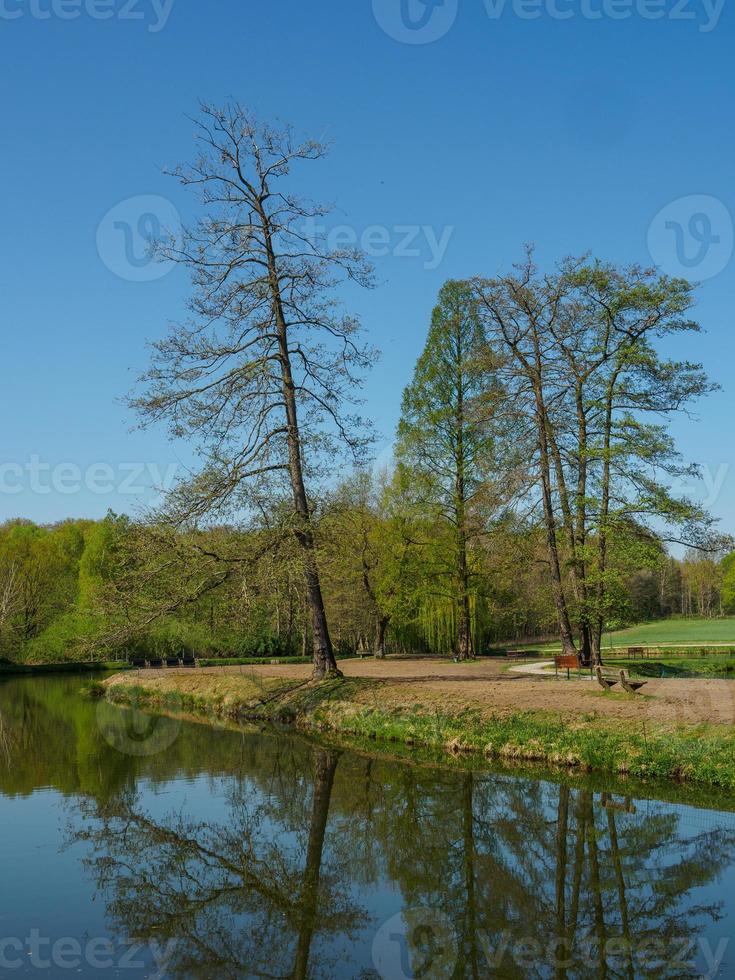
x,y
567,662
605,682
632,687
520,655
636,652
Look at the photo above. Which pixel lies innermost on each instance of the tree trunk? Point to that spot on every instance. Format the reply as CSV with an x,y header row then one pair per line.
x,y
565,625
464,632
324,663
465,647
562,830
325,766
469,870
381,628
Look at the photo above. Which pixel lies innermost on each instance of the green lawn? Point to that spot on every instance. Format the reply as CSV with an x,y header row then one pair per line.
x,y
684,631
672,632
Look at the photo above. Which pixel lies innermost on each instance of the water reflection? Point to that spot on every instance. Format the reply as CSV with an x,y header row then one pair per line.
x,y
256,855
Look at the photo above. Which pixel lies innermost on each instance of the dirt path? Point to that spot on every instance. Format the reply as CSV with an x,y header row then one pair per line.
x,y
486,686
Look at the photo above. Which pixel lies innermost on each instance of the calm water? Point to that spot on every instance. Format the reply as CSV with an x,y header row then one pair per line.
x,y
142,847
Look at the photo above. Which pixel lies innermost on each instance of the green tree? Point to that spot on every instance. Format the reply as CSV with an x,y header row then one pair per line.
x,y
727,569
581,368
446,442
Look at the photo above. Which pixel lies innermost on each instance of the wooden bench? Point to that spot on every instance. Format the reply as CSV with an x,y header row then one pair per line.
x,y
605,681
521,655
567,662
632,687
636,652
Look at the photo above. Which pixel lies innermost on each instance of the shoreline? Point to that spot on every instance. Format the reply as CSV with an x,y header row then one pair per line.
x,y
10,669
355,707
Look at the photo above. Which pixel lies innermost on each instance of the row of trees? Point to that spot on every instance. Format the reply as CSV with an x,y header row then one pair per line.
x,y
114,588
532,458
544,395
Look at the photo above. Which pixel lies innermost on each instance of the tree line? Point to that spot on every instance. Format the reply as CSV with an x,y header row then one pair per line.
x,y
115,588
533,464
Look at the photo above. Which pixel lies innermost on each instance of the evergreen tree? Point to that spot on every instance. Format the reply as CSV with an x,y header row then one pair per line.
x,y
446,442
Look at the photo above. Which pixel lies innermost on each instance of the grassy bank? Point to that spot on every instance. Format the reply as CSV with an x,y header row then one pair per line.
x,y
701,754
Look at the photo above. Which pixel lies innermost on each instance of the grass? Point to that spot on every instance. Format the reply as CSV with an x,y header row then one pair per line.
x,y
686,632
702,666
701,754
673,633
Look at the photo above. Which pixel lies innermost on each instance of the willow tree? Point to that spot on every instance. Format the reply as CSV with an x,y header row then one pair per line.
x,y
445,441
262,372
580,364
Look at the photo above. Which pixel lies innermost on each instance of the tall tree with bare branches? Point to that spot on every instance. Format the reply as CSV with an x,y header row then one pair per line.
x,y
262,373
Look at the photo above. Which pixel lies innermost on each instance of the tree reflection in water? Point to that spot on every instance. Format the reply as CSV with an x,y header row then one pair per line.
x,y
537,879
301,856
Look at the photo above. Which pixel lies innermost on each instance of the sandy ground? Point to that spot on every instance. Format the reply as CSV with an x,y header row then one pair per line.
x,y
488,687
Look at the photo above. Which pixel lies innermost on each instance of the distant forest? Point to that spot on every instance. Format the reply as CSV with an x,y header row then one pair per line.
x,y
113,588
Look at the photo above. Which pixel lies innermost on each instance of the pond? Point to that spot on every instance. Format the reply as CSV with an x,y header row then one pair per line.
x,y
137,846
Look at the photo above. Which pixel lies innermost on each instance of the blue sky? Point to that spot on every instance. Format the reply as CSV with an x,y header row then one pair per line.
x,y
493,125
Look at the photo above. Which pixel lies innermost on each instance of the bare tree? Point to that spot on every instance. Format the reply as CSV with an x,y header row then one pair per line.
x,y
263,371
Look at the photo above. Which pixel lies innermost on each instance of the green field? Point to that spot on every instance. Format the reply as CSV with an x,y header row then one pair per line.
x,y
674,631
667,632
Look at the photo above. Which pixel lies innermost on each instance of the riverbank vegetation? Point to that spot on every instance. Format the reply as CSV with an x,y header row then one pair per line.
x,y
592,740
